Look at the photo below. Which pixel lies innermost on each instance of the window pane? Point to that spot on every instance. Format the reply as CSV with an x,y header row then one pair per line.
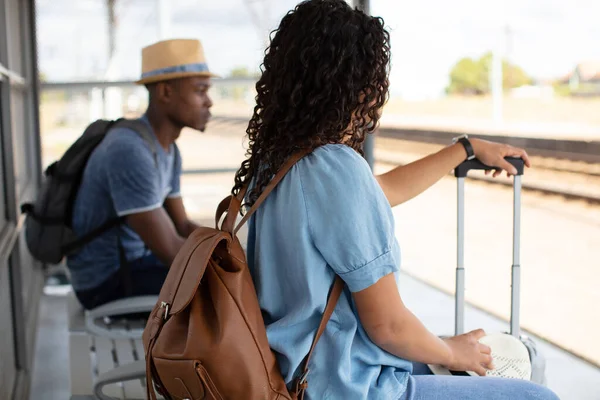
x,y
2,174
14,24
21,140
7,353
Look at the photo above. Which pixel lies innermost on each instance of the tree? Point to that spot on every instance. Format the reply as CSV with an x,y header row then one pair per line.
x,y
238,91
242,72
470,76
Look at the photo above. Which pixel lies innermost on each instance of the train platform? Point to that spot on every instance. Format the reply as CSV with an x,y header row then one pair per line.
x,y
558,288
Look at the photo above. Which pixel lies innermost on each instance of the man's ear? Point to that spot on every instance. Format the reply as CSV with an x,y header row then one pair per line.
x,y
164,91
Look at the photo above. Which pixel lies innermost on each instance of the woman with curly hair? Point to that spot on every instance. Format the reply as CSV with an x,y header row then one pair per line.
x,y
324,83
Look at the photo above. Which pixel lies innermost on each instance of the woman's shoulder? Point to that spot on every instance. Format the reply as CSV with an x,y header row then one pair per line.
x,y
338,171
339,159
336,150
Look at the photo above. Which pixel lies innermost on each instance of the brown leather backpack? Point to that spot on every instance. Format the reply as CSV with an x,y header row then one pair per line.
x,y
206,338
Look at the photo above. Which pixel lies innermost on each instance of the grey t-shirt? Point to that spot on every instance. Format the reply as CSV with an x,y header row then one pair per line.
x,y
121,178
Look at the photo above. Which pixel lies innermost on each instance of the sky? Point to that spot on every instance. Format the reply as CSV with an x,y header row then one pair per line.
x,y
545,37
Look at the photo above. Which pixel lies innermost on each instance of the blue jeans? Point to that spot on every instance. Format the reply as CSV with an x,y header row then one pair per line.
x,y
422,385
146,277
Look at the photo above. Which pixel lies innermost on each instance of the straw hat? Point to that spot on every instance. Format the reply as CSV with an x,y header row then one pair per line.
x,y
170,59
509,355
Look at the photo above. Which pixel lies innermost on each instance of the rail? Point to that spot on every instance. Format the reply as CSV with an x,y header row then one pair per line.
x,y
566,168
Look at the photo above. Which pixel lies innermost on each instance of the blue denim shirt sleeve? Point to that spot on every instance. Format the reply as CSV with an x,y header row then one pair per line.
x,y
132,175
349,217
176,177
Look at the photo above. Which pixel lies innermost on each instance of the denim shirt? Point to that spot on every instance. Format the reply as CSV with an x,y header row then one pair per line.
x,y
327,216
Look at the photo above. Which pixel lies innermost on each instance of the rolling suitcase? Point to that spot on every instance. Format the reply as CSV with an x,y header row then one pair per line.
x,y
538,362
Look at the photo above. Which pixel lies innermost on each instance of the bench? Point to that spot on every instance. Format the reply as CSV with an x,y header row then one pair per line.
x,y
106,354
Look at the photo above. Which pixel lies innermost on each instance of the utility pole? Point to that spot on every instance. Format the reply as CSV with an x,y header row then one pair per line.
x,y
260,18
112,96
496,85
508,32
501,52
112,23
369,143
163,12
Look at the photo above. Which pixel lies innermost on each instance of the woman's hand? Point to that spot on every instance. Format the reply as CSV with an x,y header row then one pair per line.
x,y
493,154
467,354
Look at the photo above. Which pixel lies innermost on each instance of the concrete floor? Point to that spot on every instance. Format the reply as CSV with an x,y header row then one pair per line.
x,y
569,377
50,379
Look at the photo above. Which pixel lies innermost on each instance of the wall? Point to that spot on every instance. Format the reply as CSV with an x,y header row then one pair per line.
x,y
21,278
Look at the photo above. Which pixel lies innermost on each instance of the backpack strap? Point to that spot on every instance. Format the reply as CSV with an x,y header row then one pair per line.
x,y
236,201
301,383
88,237
143,130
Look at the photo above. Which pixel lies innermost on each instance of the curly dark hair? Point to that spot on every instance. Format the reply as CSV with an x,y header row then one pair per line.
x,y
324,80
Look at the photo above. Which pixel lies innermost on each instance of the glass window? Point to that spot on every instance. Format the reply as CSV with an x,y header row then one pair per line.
x,y
3,216
14,25
7,352
21,139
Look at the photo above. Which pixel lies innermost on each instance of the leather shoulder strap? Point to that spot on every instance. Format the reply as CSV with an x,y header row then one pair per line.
x,y
336,291
269,188
338,284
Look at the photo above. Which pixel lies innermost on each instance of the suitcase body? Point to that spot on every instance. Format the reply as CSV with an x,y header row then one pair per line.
x,y
538,362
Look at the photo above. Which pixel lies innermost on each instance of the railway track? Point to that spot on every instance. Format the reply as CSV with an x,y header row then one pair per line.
x,y
569,169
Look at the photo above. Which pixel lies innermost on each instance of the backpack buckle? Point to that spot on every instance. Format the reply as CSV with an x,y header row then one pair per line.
x,y
165,305
302,378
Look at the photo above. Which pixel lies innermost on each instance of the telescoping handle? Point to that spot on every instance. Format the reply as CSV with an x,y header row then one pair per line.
x,y
461,172
474,164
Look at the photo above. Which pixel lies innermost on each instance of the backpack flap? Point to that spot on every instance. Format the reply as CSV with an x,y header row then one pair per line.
x,y
189,266
183,279
46,225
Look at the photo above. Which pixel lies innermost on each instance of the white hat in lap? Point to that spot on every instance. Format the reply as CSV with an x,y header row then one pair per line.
x,y
509,355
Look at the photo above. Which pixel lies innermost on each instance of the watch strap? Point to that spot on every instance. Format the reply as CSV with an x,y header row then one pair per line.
x,y
468,147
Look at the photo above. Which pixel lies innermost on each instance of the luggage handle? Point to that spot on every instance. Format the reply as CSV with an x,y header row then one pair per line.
x,y
461,172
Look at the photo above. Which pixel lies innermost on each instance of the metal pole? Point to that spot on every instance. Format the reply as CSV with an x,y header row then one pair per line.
x,y
112,22
369,143
459,296
516,267
496,83
164,19
112,96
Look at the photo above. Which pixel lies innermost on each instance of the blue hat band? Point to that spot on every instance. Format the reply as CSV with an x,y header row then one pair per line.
x,y
198,67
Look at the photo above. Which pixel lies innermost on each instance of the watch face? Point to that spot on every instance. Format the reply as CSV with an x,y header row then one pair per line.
x,y
457,138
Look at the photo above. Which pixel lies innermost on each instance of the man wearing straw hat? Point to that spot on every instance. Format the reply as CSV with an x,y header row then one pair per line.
x,y
126,176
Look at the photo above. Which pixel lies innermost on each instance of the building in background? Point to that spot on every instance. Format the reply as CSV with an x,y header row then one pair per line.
x,y
584,80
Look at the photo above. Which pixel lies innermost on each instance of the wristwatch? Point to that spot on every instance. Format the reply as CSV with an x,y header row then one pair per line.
x,y
464,140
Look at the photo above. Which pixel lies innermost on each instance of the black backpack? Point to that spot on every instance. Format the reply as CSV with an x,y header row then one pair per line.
x,y
48,230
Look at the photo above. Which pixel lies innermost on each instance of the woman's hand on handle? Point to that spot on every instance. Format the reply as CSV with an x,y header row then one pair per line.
x,y
493,154
467,354
407,181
